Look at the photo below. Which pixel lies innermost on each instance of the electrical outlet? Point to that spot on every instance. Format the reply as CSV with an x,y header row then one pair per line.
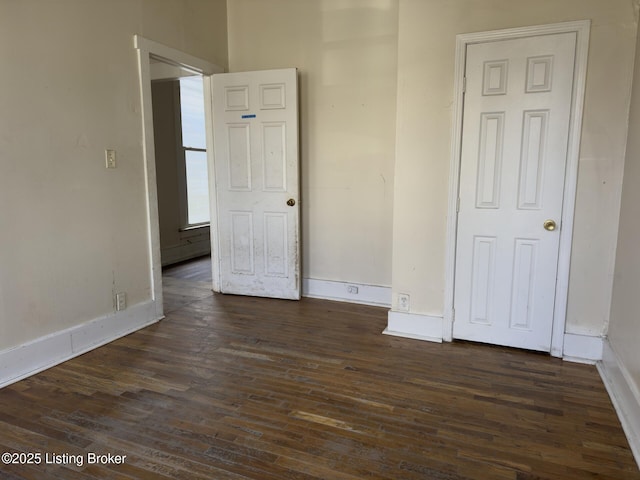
x,y
121,301
110,158
352,289
403,302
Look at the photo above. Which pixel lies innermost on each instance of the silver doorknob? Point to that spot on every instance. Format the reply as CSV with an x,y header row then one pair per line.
x,y
549,225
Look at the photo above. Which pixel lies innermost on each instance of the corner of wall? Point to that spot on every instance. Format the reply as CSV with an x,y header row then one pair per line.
x,y
582,348
416,326
624,396
45,352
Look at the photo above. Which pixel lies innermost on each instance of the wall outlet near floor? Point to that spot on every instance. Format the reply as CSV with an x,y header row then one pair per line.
x,y
352,289
110,158
403,302
121,301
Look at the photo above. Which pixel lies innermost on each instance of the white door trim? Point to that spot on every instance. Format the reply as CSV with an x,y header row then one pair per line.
x,y
147,49
582,29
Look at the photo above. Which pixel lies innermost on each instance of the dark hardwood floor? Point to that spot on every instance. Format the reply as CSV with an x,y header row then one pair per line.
x,y
196,270
230,387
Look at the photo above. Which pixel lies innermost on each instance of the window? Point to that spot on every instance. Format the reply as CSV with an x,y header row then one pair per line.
x,y
194,146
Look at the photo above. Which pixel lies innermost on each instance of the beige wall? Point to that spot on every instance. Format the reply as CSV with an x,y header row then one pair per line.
x,y
624,329
427,30
72,232
346,52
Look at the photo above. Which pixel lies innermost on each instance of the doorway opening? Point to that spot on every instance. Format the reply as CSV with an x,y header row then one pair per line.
x,y
181,164
157,62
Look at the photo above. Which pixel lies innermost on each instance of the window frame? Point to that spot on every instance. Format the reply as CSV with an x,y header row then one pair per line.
x,y
181,149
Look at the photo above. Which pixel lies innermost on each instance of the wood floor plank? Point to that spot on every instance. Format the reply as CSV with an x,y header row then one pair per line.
x,y
238,388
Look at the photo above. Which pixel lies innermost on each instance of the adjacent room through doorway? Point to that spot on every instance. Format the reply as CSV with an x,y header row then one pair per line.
x,y
181,163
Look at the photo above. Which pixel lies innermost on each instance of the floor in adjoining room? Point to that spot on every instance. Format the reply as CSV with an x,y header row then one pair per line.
x,y
230,387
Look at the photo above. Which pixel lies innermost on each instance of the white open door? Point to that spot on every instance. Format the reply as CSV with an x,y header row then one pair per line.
x,y
517,111
255,125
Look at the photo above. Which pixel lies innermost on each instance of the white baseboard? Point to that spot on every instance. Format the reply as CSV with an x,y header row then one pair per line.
x,y
582,348
180,253
411,325
25,360
624,396
332,290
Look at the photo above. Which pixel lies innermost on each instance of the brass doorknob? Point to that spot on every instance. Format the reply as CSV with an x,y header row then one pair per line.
x,y
549,225
291,202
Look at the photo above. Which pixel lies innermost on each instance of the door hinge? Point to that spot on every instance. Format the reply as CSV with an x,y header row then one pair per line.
x,y
458,205
464,84
453,315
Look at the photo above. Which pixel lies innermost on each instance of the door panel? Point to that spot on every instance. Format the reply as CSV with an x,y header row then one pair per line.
x,y
256,166
517,108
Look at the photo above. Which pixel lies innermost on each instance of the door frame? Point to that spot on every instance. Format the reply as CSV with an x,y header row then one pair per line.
x,y
582,30
146,51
